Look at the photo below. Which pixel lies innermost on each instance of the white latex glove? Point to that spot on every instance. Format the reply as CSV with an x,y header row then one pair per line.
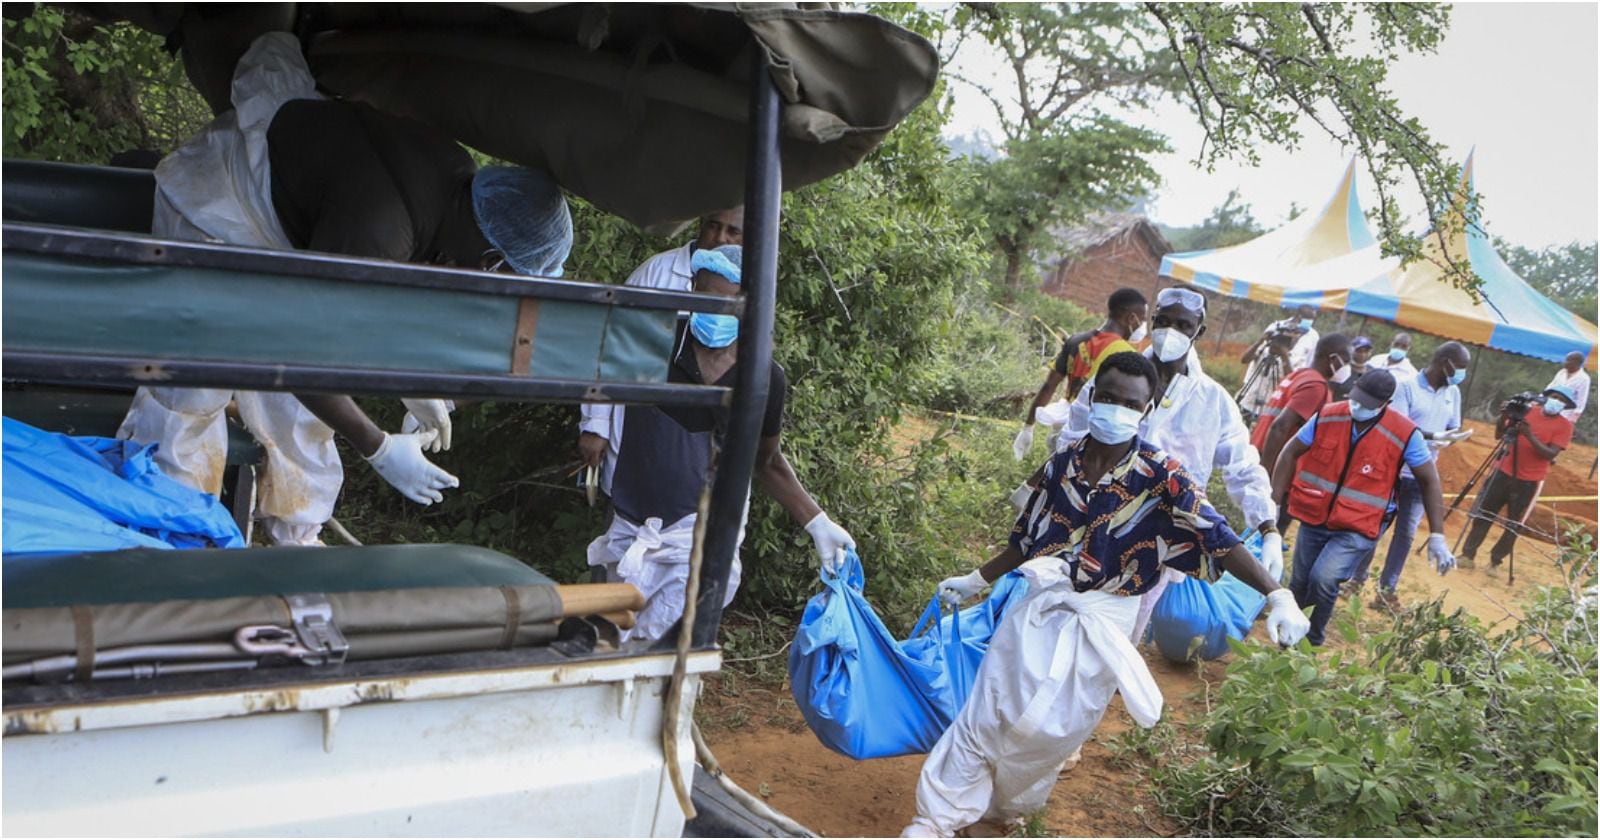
x,y
1439,556
830,539
1021,495
1454,435
400,461
1023,442
961,587
1286,622
428,415
1272,554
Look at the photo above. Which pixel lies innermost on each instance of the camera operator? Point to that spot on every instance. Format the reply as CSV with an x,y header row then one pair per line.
x,y
1535,433
1283,348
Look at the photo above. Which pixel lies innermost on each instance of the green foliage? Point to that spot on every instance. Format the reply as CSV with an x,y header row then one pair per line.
x,y
1436,726
1230,223
80,92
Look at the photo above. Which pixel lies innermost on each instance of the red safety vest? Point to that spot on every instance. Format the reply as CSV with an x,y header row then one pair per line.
x,y
1278,400
1343,485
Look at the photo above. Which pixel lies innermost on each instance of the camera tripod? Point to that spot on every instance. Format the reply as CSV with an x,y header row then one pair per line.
x,y
1265,360
1501,447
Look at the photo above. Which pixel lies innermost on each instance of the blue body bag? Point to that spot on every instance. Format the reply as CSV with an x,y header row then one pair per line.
x,y
69,494
866,695
1195,619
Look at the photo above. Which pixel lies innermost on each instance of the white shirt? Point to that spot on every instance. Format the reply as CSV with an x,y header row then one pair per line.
x,y
667,270
1579,383
1402,369
1304,350
1198,423
1432,411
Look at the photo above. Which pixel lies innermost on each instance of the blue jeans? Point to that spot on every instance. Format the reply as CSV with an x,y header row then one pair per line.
x,y
1323,559
1407,515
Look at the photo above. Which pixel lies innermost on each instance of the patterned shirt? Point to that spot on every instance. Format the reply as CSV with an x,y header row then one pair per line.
x,y
1115,535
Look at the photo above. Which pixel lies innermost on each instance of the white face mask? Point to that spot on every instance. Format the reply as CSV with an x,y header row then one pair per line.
x,y
1139,334
1340,376
1169,344
1113,424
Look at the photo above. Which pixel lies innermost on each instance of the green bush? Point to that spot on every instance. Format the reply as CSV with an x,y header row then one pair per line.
x,y
1434,727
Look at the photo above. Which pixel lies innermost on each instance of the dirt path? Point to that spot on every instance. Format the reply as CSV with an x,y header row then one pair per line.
x,y
761,739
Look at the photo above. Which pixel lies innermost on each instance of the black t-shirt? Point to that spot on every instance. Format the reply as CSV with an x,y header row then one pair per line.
x,y
349,179
664,457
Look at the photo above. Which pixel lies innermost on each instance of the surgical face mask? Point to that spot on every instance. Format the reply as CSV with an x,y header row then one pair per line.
x,y
1553,407
1396,354
1362,414
1139,334
1169,344
1306,323
714,330
1113,424
1340,376
1459,376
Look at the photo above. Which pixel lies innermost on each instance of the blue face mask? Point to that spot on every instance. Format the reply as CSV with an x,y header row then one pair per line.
x,y
1396,355
714,330
1553,407
1306,323
1113,424
1362,414
1459,376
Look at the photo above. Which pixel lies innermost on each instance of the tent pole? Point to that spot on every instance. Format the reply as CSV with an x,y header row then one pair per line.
x,y
1472,376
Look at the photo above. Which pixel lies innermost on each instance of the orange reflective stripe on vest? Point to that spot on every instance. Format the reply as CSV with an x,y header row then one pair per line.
x,y
1345,485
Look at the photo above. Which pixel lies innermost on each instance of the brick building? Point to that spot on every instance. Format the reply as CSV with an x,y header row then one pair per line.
x,y
1110,251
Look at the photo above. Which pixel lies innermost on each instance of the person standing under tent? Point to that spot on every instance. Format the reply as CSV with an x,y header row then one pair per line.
x,y
1276,354
1572,377
1360,363
1194,420
1397,361
663,458
1111,514
1432,401
1081,355
1300,395
286,168
1514,485
1337,477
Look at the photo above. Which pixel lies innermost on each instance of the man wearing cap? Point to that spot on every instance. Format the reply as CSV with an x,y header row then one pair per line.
x,y
288,169
1572,377
1397,361
1337,477
662,457
1431,400
1360,363
1194,420
1535,441
1300,395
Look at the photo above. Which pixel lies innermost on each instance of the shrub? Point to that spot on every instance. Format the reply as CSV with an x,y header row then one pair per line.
x,y
1436,726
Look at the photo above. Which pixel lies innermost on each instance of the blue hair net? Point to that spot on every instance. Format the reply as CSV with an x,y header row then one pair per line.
x,y
726,260
524,216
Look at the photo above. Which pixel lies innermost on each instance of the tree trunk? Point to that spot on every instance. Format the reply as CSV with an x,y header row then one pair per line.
x,y
1013,268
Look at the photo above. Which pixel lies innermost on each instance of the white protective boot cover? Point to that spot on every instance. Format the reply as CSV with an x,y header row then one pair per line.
x,y
1042,689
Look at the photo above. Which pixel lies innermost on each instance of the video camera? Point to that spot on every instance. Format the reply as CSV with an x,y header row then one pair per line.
x,y
1284,334
1517,407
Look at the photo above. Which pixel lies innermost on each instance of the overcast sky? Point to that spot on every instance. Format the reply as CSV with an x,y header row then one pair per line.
x,y
1518,81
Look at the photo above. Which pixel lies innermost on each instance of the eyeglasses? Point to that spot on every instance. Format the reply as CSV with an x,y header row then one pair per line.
x,y
1191,300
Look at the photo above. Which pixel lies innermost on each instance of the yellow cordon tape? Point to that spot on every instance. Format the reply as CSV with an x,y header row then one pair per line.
x,y
959,416
1551,498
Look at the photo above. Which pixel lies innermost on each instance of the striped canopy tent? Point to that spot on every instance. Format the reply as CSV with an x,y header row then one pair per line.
x,y
1507,314
1316,258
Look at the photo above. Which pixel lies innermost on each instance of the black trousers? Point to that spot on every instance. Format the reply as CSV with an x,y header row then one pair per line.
x,y
1500,492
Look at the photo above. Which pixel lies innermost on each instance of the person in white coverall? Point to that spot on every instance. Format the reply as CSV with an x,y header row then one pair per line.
x,y
657,460
1112,513
1196,421
287,168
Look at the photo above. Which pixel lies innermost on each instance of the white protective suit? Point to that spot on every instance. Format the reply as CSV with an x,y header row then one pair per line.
x,y
1045,683
218,187
652,557
1198,423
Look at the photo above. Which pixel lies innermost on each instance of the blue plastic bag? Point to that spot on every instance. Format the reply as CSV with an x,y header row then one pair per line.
x,y
65,494
1195,619
866,695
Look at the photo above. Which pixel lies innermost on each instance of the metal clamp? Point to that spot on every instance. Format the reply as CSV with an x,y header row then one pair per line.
x,y
312,615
